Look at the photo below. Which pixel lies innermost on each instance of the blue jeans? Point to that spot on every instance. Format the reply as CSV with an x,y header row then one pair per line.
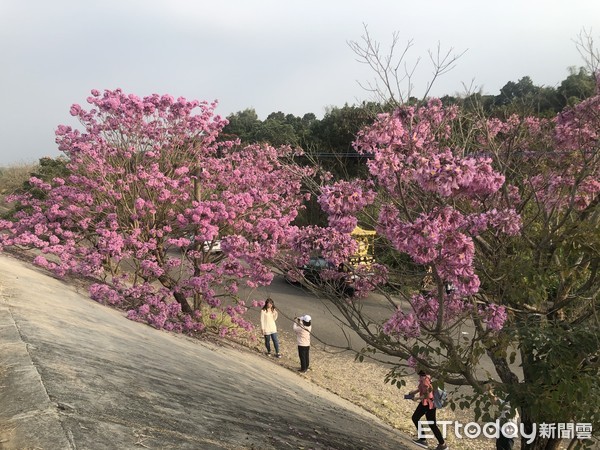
x,y
268,338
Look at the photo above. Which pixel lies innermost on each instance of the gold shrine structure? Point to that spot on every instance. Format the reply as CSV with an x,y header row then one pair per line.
x,y
364,256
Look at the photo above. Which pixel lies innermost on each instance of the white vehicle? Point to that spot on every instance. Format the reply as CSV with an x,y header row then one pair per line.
x,y
213,246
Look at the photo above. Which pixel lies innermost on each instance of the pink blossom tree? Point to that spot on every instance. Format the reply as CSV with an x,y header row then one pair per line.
x,y
489,246
161,209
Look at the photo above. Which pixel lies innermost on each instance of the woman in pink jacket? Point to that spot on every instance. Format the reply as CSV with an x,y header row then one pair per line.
x,y
302,327
424,395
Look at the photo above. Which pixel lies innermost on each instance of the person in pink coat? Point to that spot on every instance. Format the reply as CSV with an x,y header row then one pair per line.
x,y
424,395
302,328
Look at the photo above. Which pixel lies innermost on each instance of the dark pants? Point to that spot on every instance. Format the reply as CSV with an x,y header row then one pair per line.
x,y
423,410
303,353
504,443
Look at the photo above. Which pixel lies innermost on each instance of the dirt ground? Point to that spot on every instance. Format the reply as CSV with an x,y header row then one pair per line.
x,y
362,383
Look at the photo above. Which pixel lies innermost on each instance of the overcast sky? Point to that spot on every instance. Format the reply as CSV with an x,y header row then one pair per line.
x,y
270,55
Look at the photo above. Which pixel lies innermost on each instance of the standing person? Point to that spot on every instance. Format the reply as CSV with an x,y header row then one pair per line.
x,y
507,416
302,327
426,408
268,316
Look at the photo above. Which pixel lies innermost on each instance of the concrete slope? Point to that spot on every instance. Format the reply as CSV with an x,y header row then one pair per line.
x,y
78,375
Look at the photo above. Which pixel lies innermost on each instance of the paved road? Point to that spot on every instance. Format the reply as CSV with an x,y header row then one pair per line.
x,y
293,301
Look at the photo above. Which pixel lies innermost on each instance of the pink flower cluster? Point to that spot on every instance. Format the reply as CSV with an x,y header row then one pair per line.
x,y
433,201
368,278
506,221
438,238
410,147
153,307
401,324
426,309
329,243
342,201
562,152
494,317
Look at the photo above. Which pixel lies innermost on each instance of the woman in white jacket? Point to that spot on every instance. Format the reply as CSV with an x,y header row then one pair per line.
x,y
302,327
268,316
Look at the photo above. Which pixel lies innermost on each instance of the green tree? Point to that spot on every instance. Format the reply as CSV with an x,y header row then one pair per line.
x,y
47,170
512,91
579,85
242,125
276,130
333,138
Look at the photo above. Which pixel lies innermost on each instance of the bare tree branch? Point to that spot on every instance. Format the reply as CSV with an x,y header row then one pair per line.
x,y
394,74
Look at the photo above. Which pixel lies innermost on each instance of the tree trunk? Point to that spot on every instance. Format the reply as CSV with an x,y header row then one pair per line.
x,y
168,283
185,306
